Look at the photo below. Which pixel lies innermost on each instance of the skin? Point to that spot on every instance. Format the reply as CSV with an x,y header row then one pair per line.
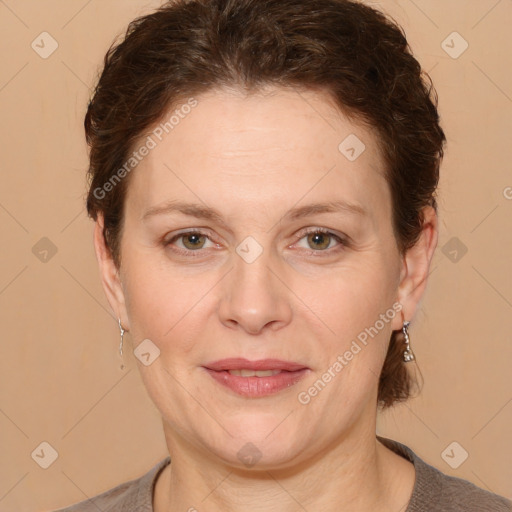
x,y
254,158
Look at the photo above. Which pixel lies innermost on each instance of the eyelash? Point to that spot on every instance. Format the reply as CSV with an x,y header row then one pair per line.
x,y
342,242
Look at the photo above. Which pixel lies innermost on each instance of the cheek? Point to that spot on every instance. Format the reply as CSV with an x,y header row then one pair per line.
x,y
168,307
357,313
156,304
350,299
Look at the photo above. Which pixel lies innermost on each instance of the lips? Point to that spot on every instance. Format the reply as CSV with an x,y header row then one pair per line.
x,y
255,379
239,363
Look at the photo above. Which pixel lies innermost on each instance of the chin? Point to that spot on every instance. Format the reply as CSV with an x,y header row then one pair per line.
x,y
259,441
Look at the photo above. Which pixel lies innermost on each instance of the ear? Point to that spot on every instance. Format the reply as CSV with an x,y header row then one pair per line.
x,y
109,274
415,267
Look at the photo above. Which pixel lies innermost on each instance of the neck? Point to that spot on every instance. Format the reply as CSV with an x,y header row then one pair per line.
x,y
356,474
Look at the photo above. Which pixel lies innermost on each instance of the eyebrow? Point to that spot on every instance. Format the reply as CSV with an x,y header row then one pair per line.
x,y
207,213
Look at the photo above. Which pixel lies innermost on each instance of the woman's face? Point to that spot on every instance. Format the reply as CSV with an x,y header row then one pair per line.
x,y
257,279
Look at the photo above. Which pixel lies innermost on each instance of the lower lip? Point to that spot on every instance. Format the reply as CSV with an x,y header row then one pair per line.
x,y
255,387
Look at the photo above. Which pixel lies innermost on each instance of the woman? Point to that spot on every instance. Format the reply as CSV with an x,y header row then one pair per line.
x,y
263,177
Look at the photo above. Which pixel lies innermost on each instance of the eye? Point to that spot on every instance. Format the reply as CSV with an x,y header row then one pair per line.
x,y
320,240
191,241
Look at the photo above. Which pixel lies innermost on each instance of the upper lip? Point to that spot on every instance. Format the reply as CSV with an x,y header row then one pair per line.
x,y
239,363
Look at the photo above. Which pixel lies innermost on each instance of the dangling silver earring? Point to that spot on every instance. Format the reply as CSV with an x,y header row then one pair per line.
x,y
122,334
408,355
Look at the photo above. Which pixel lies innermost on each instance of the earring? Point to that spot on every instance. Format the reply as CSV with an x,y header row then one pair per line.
x,y
121,343
408,355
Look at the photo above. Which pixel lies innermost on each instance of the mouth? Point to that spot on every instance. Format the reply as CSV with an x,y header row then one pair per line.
x,y
254,379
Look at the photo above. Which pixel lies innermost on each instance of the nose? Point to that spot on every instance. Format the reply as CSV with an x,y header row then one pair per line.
x,y
255,296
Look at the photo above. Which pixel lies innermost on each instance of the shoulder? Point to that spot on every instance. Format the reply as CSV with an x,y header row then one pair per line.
x,y
435,491
135,494
459,494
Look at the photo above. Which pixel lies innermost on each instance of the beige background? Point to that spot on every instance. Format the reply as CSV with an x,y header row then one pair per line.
x,y
61,380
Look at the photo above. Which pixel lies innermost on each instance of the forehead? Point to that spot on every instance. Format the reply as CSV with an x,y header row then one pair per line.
x,y
251,150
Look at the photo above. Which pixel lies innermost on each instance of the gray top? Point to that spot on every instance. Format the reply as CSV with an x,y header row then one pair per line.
x,y
433,491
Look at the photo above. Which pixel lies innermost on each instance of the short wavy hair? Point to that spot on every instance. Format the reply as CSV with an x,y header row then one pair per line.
x,y
355,54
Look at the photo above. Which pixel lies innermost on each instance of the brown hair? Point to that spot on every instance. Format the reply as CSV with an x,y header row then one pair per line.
x,y
354,53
